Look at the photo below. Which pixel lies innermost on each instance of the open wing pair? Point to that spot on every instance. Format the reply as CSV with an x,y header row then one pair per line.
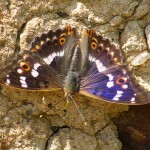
x,y
54,55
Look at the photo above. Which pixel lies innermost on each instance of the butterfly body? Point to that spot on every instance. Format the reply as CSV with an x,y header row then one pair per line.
x,y
72,80
92,67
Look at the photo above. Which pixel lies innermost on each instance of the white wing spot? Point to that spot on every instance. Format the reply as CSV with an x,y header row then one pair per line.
x,y
132,99
99,65
36,65
119,94
124,71
34,73
7,81
111,77
61,53
90,58
101,44
23,82
124,86
20,71
50,58
47,60
110,84
116,98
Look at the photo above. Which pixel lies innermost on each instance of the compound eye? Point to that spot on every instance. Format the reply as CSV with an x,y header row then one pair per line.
x,y
25,66
121,80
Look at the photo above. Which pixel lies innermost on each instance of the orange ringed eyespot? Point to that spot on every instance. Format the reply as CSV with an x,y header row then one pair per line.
x,y
25,66
121,80
62,40
94,45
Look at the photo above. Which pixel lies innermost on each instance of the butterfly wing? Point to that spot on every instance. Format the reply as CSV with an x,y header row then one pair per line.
x,y
56,48
104,76
29,71
45,65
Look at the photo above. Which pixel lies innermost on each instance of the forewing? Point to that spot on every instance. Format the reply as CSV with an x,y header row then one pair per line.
x,y
46,64
56,48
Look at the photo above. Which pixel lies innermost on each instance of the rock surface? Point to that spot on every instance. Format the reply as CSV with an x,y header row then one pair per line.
x,y
31,120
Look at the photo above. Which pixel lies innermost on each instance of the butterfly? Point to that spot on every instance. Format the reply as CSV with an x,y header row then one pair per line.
x,y
91,66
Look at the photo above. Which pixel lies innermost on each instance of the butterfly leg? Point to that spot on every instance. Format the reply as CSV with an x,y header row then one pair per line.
x,y
66,105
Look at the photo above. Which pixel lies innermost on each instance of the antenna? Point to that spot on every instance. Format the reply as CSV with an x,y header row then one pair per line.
x,y
81,115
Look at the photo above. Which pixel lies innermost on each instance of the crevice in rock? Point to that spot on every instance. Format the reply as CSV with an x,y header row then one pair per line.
x,y
120,45
146,40
97,134
55,130
62,14
135,8
17,45
8,5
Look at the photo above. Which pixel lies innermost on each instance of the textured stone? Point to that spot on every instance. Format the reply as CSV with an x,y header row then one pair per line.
x,y
30,118
108,136
141,58
117,20
133,38
141,11
19,129
147,32
130,9
71,139
7,41
144,21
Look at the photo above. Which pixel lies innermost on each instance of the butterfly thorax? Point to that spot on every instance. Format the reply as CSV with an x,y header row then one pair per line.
x,y
72,83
